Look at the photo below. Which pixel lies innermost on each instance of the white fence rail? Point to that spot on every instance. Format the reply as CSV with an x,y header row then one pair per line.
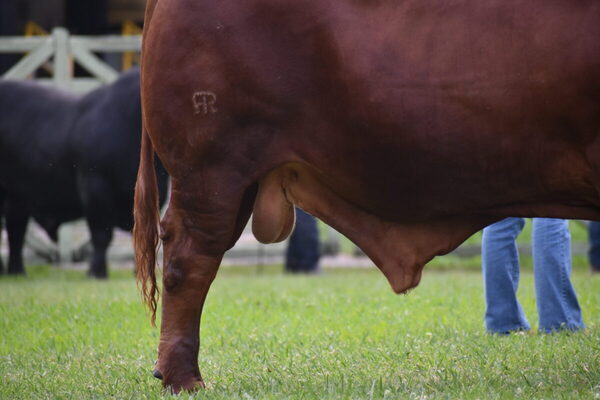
x,y
62,50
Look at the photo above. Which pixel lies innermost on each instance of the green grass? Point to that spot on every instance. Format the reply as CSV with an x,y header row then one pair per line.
x,y
342,334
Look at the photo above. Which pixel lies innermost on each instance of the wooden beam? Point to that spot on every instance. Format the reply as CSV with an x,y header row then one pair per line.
x,y
32,61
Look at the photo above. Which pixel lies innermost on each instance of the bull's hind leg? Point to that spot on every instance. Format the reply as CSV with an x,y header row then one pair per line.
x,y
17,217
205,217
2,196
99,207
399,250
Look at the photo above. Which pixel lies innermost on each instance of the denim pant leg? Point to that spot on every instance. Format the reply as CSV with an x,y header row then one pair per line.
x,y
500,259
555,296
594,237
303,252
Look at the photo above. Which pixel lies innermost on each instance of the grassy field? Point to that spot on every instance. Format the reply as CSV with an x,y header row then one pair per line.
x,y
342,334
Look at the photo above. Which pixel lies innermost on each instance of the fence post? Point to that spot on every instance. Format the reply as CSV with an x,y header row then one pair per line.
x,y
62,62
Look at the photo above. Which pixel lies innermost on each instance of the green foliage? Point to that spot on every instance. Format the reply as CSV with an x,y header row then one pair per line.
x,y
340,335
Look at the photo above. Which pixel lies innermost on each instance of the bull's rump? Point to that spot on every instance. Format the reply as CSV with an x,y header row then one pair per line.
x,y
464,105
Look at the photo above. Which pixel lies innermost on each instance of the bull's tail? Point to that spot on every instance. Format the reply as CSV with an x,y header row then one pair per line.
x,y
146,215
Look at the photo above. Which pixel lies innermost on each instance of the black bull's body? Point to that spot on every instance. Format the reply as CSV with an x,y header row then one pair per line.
x,y
64,157
406,125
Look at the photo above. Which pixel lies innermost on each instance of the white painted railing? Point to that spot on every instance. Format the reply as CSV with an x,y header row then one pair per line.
x,y
63,50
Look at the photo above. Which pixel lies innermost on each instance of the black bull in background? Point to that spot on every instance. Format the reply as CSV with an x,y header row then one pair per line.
x,y
64,157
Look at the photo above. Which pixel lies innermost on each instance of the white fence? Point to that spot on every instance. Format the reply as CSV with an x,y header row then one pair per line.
x,y
60,51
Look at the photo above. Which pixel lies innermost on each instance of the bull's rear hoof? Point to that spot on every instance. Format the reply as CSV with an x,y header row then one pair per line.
x,y
18,272
98,275
191,385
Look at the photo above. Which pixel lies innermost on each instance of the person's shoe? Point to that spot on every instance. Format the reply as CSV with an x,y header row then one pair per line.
x,y
517,331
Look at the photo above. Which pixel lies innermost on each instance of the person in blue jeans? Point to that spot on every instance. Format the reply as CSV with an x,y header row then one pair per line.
x,y
556,300
303,252
594,254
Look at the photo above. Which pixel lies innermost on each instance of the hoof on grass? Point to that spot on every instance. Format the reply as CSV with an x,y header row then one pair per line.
x,y
156,373
191,385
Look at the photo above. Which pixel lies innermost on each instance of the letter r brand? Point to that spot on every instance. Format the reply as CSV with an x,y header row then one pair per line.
x,y
204,102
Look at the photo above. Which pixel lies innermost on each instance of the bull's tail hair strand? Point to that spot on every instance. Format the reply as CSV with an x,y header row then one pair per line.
x,y
146,213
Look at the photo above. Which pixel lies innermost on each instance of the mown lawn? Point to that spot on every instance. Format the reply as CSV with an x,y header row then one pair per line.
x,y
342,334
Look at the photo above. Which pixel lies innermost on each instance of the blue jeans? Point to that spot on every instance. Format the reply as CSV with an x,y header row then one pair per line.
x,y
555,297
303,252
594,254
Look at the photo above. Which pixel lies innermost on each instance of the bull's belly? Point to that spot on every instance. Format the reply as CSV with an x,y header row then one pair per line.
x,y
47,197
423,183
60,210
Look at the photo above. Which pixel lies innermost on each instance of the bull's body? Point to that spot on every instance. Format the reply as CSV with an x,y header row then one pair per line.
x,y
406,125
64,157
